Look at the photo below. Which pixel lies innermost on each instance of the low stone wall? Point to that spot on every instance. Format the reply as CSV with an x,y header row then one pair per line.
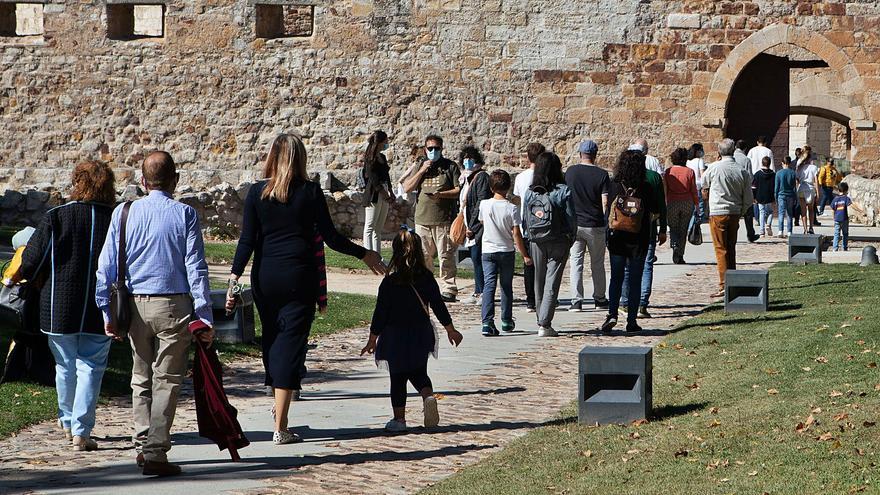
x,y
865,193
220,208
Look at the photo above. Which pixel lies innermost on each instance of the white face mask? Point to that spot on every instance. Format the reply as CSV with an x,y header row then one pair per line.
x,y
434,155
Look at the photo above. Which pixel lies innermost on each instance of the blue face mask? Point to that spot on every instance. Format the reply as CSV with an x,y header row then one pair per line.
x,y
469,164
384,146
434,155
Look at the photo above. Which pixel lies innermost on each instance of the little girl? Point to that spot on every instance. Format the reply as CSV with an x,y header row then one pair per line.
x,y
402,333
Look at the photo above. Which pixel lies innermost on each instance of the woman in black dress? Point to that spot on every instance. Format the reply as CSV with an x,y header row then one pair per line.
x,y
281,215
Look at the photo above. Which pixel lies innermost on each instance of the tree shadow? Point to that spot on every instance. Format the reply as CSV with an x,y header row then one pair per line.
x,y
673,410
340,395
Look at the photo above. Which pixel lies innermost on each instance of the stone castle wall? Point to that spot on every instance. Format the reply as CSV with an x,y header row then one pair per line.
x,y
497,73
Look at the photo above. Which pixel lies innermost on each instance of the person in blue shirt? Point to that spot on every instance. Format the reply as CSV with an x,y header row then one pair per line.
x,y
840,206
786,196
167,277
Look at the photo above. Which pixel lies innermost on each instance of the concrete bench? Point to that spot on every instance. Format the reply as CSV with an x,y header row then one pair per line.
x,y
805,249
237,328
746,291
615,384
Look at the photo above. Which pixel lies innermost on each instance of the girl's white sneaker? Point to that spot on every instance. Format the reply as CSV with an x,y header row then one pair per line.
x,y
432,415
395,426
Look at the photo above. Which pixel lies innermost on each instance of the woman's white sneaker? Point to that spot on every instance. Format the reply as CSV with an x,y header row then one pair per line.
x,y
395,426
285,437
547,332
432,415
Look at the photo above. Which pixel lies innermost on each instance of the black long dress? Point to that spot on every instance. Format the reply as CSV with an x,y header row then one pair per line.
x,y
281,237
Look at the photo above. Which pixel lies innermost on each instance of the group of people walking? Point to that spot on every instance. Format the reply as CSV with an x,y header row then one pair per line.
x,y
82,251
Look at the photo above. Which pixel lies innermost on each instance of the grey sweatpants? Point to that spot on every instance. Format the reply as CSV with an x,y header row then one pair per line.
x,y
591,239
549,260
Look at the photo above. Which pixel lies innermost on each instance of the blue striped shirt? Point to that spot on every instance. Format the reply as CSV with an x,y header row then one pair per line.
x,y
165,254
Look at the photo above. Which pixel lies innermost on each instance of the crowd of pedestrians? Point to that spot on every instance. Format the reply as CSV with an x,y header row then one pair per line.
x,y
152,250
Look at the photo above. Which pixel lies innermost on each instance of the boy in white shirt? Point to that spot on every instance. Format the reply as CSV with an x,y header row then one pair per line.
x,y
501,233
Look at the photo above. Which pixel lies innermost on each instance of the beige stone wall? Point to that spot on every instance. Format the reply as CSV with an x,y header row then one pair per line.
x,y
497,73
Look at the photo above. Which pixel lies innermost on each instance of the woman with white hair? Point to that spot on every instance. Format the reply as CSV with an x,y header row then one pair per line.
x,y
282,215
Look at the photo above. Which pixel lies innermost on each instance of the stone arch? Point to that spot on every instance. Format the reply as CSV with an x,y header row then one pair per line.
x,y
774,35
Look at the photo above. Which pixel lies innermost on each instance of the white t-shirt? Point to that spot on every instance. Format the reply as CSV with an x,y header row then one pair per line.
x,y
756,156
499,216
520,186
652,163
807,177
698,166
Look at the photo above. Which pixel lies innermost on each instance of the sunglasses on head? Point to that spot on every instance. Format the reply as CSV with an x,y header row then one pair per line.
x,y
434,148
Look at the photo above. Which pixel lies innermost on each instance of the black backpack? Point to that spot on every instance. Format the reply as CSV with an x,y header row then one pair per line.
x,y
545,223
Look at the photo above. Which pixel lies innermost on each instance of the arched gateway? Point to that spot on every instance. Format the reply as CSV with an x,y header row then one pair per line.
x,y
786,70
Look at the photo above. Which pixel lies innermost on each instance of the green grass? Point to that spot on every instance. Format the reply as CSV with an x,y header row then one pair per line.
x,y
223,252
729,395
22,404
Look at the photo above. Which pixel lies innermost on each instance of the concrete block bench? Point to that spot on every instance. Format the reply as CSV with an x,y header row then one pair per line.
x,y
237,328
615,384
805,249
746,291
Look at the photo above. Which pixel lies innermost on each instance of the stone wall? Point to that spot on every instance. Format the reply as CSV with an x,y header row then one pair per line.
x,y
865,193
220,208
496,73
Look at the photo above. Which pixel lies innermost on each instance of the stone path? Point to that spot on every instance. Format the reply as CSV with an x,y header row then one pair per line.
x,y
492,391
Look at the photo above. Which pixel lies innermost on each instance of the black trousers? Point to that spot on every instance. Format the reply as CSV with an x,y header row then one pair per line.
x,y
749,218
419,378
529,276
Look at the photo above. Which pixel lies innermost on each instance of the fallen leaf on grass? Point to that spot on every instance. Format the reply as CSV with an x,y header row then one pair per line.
x,y
713,424
640,422
635,435
772,391
693,386
825,437
871,365
845,325
681,453
838,335
807,368
868,424
713,410
805,425
587,453
771,371
753,473
840,417
859,452
816,410
633,451
835,393
715,328
821,359
877,387
676,378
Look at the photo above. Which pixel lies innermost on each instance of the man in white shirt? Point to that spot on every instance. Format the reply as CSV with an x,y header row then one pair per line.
x,y
651,162
757,154
739,156
520,186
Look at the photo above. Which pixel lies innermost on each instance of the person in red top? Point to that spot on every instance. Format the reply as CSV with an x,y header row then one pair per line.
x,y
681,201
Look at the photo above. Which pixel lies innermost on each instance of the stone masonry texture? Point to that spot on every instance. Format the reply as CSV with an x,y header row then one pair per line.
x,y
496,73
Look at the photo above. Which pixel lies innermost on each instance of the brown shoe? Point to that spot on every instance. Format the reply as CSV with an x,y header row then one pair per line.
x,y
160,469
140,460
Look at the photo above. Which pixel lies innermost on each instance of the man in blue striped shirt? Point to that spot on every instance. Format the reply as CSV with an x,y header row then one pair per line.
x,y
167,275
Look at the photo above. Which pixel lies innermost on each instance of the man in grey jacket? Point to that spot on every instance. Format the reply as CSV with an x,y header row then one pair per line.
x,y
728,189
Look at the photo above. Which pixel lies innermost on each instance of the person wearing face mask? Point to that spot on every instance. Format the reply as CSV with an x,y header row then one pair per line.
x,y
437,183
475,188
377,190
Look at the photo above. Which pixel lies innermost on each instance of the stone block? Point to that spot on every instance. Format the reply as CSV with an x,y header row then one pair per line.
x,y
237,328
805,249
684,21
746,291
614,384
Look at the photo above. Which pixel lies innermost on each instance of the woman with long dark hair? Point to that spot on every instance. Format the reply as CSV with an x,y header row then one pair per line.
x,y
281,217
549,198
65,248
475,188
377,190
401,332
632,201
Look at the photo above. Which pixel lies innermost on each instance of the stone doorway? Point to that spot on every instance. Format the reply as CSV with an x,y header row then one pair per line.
x,y
759,104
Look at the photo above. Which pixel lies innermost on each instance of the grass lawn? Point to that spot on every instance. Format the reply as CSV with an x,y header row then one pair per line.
x,y
223,252
22,404
779,403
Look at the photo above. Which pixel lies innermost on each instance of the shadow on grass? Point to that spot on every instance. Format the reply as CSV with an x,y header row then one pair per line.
x,y
824,282
671,411
340,395
733,321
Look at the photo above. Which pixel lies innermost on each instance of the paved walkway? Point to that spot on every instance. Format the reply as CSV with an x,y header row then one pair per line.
x,y
491,392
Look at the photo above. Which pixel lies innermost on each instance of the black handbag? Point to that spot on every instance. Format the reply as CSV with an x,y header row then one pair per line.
x,y
695,235
120,298
14,305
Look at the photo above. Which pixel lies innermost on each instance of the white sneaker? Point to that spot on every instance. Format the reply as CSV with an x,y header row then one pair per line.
x,y
432,415
472,299
84,444
547,332
396,425
285,437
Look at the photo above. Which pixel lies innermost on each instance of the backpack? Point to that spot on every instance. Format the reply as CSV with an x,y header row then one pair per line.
x,y
626,212
545,222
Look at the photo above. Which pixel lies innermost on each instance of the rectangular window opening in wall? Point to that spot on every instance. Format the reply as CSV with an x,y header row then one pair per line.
x,y
128,21
285,21
21,19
